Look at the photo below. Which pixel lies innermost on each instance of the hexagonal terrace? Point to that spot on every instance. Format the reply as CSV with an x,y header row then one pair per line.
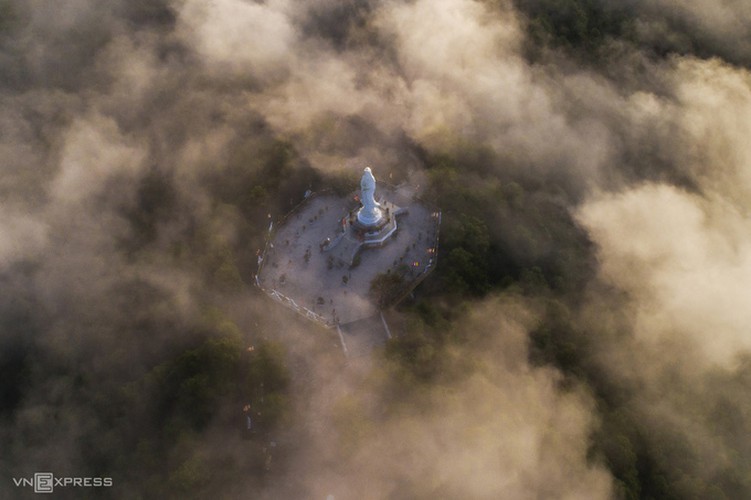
x,y
320,261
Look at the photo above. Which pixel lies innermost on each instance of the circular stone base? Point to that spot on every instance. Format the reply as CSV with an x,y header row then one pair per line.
x,y
375,219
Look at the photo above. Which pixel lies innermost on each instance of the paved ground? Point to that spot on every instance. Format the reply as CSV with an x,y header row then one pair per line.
x,y
361,336
296,266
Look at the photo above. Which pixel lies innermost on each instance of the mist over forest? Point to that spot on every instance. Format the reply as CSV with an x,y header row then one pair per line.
x,y
585,334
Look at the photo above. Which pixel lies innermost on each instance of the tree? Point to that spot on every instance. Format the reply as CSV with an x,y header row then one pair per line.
x,y
386,287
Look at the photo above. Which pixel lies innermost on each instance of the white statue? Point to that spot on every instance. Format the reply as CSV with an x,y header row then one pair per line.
x,y
370,213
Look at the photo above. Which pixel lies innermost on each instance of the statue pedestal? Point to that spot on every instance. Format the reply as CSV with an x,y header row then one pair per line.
x,y
355,235
370,217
